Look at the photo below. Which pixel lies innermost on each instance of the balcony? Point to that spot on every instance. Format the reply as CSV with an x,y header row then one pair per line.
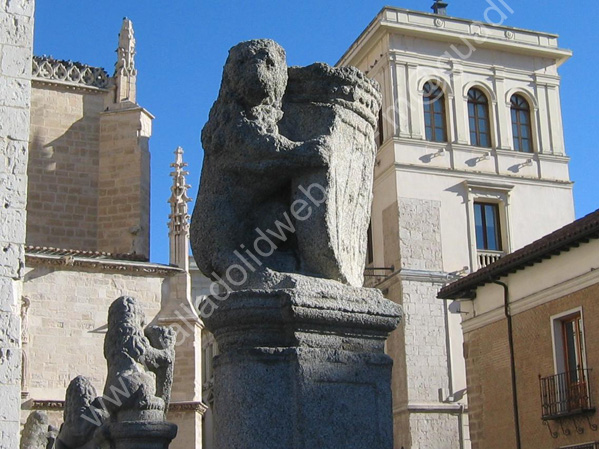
x,y
566,394
487,257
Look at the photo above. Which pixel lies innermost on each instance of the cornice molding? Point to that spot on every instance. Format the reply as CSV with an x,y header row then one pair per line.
x,y
537,299
432,407
74,263
180,406
42,82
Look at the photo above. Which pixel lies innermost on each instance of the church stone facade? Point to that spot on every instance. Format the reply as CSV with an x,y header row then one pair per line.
x,y
471,165
87,236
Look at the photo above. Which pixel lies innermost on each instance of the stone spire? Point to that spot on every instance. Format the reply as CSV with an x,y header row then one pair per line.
x,y
124,71
178,224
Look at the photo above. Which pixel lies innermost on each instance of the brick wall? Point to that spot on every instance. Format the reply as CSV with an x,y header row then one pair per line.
x,y
489,388
488,372
63,167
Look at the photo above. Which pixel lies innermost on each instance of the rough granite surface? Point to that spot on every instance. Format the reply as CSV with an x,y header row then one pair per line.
x,y
280,225
140,363
286,182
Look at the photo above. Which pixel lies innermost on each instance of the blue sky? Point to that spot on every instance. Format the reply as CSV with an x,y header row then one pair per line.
x,y
182,46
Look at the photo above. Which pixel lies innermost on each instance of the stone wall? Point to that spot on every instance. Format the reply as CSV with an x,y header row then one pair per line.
x,y
66,323
63,166
16,41
426,355
124,181
420,234
89,168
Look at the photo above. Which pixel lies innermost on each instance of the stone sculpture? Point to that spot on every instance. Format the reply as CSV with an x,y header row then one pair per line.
x,y
136,395
83,415
140,359
37,433
289,146
280,223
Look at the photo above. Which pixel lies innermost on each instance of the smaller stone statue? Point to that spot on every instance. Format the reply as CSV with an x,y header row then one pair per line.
x,y
37,433
83,416
140,361
136,395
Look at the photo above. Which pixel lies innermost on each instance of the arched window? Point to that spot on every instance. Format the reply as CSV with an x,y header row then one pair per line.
x,y
434,112
478,117
521,128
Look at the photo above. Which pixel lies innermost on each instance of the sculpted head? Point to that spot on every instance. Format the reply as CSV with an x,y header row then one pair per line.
x,y
256,72
126,321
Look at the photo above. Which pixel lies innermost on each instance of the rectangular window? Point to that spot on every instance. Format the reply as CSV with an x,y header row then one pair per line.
x,y
567,392
487,226
369,247
379,129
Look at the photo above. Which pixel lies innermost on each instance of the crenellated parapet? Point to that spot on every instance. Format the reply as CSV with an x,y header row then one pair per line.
x,y
48,68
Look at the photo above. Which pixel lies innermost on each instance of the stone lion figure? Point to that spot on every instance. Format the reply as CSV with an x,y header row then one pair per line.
x,y
37,432
280,140
83,415
140,364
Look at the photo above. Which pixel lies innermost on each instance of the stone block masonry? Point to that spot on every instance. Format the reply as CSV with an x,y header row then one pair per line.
x,y
16,41
63,167
124,181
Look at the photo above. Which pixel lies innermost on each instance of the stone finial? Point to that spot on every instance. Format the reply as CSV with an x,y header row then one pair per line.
x,y
124,72
178,224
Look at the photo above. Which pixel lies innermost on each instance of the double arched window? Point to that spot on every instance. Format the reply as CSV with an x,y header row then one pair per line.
x,y
521,126
478,118
435,123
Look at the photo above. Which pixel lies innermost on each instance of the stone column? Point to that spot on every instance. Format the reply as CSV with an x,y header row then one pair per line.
x,y
282,215
16,42
303,369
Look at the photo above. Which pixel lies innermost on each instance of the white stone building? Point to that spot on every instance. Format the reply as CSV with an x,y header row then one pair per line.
x,y
471,166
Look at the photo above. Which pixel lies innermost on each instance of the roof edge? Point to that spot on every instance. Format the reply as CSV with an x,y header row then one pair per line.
x,y
571,235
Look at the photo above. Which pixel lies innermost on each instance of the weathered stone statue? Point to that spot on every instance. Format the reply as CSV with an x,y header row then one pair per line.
x,y
293,147
83,415
37,433
140,360
132,409
280,224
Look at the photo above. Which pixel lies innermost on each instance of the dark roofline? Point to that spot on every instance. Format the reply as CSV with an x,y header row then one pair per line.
x,y
571,235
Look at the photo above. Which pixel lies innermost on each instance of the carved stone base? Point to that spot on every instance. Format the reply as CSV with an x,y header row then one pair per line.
x,y
303,369
139,434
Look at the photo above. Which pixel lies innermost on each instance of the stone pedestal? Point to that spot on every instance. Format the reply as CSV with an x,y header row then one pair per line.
x,y
303,369
140,434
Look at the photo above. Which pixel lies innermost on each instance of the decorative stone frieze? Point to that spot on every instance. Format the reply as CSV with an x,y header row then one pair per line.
x,y
48,68
104,265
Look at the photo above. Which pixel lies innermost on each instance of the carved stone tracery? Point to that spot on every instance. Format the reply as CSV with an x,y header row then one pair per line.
x,y
48,68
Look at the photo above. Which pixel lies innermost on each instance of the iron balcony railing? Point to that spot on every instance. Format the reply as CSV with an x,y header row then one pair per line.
x,y
566,394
